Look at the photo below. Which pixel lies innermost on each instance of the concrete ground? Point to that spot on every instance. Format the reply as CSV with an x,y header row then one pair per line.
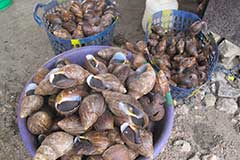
x,y
198,132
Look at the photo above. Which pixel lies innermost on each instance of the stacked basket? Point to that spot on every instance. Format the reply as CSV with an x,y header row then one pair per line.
x,y
60,45
179,21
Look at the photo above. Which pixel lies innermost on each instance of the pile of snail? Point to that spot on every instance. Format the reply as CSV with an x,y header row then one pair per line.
x,y
100,111
182,56
81,19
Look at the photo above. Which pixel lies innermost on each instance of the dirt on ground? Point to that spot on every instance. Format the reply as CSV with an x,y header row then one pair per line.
x,y
200,130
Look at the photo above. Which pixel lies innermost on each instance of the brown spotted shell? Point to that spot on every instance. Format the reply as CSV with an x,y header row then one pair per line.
x,y
92,107
116,152
105,81
71,125
68,76
142,82
93,143
123,105
141,141
109,52
39,123
104,122
31,104
54,146
40,75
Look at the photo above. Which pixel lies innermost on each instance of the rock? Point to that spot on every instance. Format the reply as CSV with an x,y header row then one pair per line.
x,y
237,127
229,52
194,157
210,157
219,76
210,100
228,91
182,146
182,109
227,105
213,88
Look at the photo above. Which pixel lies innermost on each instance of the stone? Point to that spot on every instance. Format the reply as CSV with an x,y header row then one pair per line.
x,y
228,49
194,157
227,91
213,88
210,100
237,127
227,105
219,76
182,109
182,146
210,157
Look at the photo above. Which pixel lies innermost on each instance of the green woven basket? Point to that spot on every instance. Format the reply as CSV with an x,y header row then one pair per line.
x,y
4,4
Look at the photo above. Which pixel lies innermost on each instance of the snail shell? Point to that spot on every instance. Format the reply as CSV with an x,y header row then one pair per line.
x,y
78,33
109,52
95,158
161,84
39,123
54,146
62,62
122,72
197,27
154,106
92,107
31,103
92,143
68,101
139,140
114,136
68,76
104,122
62,33
95,66
116,152
70,26
40,75
123,105
105,81
142,82
46,88
117,59
76,9
71,125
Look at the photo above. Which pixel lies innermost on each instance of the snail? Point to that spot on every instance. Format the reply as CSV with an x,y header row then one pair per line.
x,y
105,81
115,152
68,101
39,123
40,75
104,122
54,146
31,102
92,107
95,66
92,143
142,81
68,76
139,140
71,125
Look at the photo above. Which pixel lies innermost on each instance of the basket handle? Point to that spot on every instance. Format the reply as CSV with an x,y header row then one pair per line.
x,y
36,17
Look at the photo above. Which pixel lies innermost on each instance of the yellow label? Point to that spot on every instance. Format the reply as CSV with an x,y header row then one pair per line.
x,y
75,43
231,78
